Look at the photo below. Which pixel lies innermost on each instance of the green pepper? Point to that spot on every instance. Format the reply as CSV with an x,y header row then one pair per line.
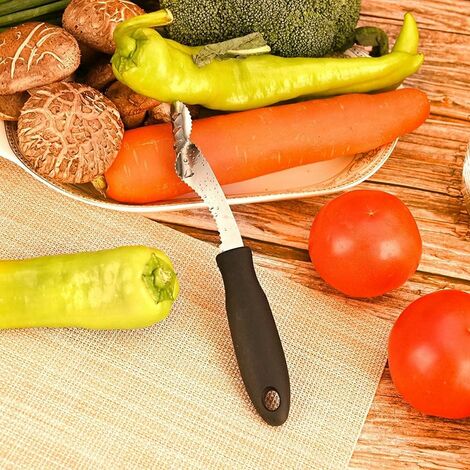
x,y
122,288
164,70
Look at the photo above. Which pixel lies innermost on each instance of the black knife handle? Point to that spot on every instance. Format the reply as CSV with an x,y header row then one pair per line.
x,y
255,337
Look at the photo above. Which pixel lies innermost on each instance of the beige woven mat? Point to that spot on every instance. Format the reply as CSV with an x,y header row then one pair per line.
x,y
170,396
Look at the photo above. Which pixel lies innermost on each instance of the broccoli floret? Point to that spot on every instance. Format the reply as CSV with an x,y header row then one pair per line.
x,y
293,28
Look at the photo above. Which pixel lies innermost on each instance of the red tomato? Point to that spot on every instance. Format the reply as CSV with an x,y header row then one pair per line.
x,y
429,354
365,243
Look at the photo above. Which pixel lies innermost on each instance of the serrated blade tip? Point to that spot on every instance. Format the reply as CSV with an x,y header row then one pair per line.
x,y
192,168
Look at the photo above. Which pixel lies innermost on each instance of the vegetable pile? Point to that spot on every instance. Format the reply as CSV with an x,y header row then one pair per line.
x,y
74,89
280,59
91,88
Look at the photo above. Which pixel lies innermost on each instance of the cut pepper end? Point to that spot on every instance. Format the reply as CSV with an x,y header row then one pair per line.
x,y
160,279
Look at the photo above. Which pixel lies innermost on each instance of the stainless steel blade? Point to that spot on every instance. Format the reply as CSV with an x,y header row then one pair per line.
x,y
195,171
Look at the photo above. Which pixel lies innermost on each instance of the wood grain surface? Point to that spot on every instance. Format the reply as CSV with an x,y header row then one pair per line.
x,y
425,171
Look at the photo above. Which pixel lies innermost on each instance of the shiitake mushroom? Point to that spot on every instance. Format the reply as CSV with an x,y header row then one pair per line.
x,y
132,107
99,75
93,23
10,106
69,132
35,54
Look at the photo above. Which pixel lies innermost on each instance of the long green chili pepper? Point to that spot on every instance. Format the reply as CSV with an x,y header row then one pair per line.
x,y
164,70
122,288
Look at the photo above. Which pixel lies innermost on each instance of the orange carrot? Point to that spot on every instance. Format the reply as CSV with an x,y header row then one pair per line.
x,y
245,145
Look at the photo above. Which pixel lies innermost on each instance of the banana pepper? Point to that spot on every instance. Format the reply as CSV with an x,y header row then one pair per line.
x,y
122,288
164,69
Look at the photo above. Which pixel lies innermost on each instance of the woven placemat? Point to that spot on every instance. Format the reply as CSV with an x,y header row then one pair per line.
x,y
170,396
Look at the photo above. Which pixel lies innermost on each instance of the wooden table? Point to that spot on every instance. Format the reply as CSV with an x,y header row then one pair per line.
x,y
425,171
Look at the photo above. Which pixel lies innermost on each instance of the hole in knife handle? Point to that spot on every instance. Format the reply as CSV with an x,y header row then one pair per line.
x,y
271,399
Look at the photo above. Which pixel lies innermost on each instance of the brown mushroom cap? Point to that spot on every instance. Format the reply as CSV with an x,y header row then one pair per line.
x,y
88,55
132,107
100,74
69,132
162,113
35,54
93,22
10,106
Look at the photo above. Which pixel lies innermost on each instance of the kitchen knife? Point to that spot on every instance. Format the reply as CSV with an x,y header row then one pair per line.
x,y
255,337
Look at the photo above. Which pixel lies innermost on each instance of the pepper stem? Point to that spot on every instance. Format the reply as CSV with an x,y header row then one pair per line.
x,y
150,20
160,279
100,184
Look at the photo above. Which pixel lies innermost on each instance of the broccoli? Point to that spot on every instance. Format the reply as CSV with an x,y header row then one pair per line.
x,y
293,28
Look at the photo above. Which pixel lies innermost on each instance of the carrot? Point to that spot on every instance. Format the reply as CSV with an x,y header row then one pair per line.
x,y
245,145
